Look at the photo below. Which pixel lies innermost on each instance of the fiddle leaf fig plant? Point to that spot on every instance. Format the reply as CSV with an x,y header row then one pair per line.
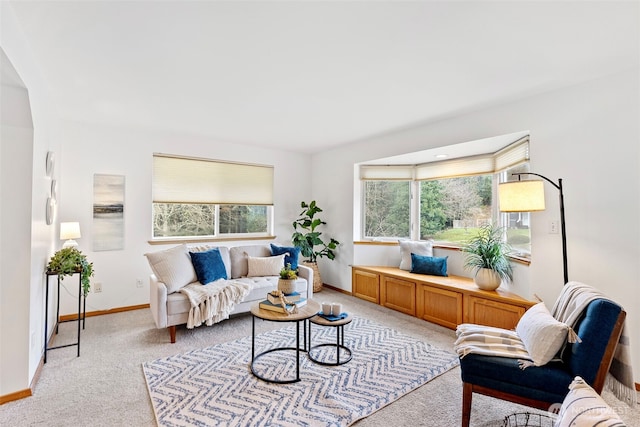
x,y
68,261
307,238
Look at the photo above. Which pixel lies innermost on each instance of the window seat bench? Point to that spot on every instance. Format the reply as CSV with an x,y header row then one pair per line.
x,y
447,301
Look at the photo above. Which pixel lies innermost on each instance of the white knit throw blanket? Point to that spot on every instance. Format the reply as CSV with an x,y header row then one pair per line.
x,y
212,303
573,300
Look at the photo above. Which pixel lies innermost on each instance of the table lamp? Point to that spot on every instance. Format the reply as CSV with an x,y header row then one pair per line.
x,y
70,231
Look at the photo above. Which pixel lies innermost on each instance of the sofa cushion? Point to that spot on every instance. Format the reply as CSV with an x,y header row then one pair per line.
x,y
407,247
208,265
173,267
265,266
584,407
238,258
542,335
436,266
291,254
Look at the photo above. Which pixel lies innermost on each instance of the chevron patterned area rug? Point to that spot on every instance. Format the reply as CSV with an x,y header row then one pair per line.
x,y
214,386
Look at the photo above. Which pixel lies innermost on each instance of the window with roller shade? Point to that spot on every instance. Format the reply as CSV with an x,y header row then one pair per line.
x,y
195,197
445,200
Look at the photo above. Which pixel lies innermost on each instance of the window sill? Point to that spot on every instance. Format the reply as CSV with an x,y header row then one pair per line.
x,y
520,259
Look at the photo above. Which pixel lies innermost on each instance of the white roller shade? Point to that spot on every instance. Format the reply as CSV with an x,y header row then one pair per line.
x,y
186,180
508,157
386,173
456,167
513,155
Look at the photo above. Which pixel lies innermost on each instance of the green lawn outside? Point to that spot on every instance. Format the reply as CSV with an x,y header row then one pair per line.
x,y
518,238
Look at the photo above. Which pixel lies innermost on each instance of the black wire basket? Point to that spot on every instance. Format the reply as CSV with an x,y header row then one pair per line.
x,y
527,419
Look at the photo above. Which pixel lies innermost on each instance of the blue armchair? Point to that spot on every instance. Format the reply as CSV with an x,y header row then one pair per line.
x,y
599,329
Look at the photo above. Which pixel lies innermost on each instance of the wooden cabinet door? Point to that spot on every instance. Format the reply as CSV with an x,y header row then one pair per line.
x,y
366,285
440,306
398,294
493,313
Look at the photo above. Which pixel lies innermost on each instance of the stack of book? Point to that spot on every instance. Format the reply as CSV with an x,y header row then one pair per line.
x,y
273,302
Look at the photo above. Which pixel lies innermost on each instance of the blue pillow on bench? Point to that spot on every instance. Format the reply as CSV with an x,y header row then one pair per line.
x,y
208,265
436,266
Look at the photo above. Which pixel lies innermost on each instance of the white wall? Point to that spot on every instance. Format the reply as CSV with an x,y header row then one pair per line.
x,y
16,154
23,166
586,134
89,149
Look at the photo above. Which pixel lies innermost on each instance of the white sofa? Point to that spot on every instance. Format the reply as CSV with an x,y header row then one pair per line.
x,y
170,309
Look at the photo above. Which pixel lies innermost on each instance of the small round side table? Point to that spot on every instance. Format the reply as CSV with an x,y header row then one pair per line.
x,y
339,344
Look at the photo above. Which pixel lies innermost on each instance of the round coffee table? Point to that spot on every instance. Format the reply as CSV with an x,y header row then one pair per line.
x,y
303,314
339,345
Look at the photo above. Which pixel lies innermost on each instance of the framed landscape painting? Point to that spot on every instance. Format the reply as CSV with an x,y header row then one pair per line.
x,y
108,212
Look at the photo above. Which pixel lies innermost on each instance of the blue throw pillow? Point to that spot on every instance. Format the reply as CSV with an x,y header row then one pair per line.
x,y
208,265
435,266
292,254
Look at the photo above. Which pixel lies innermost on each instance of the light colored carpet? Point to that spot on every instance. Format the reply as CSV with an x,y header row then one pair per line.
x,y
214,385
105,386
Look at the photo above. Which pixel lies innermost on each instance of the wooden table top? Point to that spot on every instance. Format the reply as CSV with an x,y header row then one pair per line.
x,y
309,310
319,320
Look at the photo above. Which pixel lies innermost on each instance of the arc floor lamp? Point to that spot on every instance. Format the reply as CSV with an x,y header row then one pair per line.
x,y
528,196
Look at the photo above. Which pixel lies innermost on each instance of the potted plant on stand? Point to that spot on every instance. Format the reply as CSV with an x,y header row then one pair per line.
x,y
487,255
308,239
67,262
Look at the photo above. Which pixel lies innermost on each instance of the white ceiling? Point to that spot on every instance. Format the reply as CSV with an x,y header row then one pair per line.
x,y
305,76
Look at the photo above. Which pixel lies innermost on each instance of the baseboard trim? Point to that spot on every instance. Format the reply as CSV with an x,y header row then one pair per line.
x,y
15,396
336,289
74,316
22,394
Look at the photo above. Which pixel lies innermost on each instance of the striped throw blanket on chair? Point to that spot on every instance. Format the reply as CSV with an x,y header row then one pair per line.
x,y
489,341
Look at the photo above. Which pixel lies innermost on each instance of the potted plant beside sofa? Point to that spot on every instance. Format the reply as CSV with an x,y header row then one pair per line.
x,y
309,240
487,254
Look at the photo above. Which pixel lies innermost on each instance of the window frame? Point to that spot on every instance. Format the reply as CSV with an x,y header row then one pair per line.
x,y
505,159
216,204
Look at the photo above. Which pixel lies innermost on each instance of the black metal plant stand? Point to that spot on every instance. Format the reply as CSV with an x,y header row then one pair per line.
x,y
82,307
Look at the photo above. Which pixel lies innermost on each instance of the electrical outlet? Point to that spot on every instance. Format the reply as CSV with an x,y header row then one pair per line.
x,y
138,283
553,227
97,287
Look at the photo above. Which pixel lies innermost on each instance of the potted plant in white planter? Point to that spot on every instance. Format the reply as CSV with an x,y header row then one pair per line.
x,y
488,256
308,239
287,280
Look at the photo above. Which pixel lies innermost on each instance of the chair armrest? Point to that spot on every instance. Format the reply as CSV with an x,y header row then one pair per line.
x,y
307,273
158,301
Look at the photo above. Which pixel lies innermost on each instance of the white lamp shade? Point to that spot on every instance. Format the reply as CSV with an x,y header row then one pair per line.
x,y
69,230
521,196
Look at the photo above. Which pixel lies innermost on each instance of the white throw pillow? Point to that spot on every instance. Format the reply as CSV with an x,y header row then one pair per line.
x,y
541,334
173,267
584,407
408,247
265,266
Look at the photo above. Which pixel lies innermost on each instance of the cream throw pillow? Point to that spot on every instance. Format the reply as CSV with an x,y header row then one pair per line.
x,y
173,267
265,266
541,334
408,247
584,407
